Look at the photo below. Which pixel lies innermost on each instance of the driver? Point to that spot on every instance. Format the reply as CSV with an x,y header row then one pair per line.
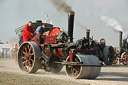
x,y
102,44
28,32
40,29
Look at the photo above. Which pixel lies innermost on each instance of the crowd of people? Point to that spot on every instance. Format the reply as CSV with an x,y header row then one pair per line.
x,y
94,45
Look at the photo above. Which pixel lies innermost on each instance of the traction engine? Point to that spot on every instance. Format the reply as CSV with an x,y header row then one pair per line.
x,y
57,49
121,52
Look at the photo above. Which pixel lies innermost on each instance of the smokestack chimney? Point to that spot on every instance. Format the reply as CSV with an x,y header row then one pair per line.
x,y
70,25
87,34
120,40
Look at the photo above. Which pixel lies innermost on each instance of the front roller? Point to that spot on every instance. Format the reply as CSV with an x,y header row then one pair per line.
x,y
28,57
89,69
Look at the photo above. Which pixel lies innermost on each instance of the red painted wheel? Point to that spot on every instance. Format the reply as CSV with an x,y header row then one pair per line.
x,y
115,60
28,57
124,57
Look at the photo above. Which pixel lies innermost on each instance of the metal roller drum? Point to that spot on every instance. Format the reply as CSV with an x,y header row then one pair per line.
x,y
86,70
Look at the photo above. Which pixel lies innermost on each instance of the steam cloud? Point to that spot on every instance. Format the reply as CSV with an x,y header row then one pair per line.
x,y
126,34
61,5
112,22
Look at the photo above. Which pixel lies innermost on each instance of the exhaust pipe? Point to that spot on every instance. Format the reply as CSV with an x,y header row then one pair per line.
x,y
70,25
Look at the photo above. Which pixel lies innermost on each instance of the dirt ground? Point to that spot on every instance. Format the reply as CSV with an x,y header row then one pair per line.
x,y
10,74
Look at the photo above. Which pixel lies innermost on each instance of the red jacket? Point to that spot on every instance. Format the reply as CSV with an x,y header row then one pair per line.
x,y
27,33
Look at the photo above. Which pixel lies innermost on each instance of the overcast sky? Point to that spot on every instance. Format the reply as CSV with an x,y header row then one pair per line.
x,y
88,13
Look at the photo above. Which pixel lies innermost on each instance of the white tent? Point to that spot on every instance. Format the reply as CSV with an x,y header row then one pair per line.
x,y
5,50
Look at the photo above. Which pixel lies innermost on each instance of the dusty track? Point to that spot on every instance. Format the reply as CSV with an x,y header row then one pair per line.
x,y
10,74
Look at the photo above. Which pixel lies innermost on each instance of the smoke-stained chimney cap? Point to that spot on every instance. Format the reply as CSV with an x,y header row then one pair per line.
x,y
120,31
71,13
87,30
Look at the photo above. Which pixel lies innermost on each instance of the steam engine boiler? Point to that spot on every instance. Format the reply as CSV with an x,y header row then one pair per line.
x,y
56,50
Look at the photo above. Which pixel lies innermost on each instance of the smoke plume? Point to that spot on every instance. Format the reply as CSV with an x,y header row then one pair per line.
x,y
61,5
112,22
126,34
82,26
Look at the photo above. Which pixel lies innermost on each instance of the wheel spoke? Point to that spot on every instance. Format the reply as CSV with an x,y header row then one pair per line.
x,y
75,72
24,62
30,49
32,61
23,58
25,68
76,59
31,54
28,46
25,50
29,64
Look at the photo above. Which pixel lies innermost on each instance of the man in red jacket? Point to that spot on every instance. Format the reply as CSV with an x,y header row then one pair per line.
x,y
28,32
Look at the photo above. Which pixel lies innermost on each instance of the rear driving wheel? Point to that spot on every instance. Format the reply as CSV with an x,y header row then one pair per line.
x,y
28,57
108,53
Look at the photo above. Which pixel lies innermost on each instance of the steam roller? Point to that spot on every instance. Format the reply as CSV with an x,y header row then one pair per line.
x,y
79,66
57,50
